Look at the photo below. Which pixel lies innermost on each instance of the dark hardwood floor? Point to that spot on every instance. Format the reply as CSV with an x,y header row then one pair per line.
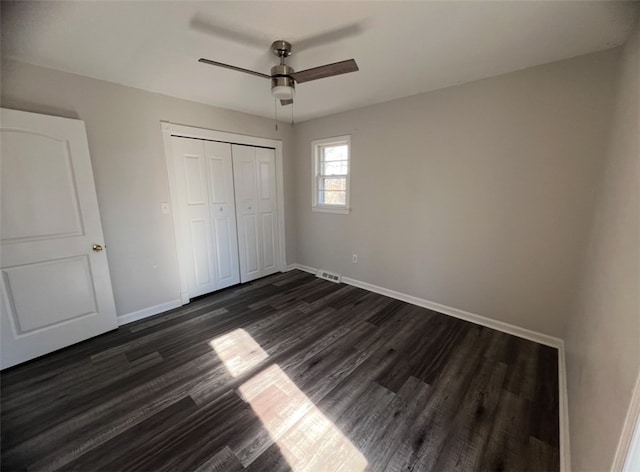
x,y
287,373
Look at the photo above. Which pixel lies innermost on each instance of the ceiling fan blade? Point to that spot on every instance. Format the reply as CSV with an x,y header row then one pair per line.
x,y
331,36
239,69
286,102
237,34
328,70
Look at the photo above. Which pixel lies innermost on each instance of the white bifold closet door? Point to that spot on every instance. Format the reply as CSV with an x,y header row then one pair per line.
x,y
256,211
205,193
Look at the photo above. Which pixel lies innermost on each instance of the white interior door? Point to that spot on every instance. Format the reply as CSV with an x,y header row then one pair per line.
x,y
223,212
255,184
56,288
193,197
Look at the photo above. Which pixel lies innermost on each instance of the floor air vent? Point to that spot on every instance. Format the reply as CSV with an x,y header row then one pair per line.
x,y
330,276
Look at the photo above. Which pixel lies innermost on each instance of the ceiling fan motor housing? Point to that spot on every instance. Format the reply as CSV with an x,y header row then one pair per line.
x,y
282,84
281,48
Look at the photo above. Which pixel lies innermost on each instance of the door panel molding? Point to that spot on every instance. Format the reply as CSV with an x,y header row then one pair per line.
x,y
221,227
72,283
169,130
202,267
64,225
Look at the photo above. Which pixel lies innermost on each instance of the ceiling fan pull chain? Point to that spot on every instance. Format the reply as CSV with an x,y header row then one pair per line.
x,y
275,106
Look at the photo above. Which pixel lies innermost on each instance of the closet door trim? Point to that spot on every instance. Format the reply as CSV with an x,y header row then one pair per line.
x,y
173,129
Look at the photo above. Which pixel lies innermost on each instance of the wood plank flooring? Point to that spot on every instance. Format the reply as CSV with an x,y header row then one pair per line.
x,y
286,373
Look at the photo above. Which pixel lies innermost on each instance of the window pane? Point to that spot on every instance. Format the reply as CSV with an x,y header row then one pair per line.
x,y
332,197
333,184
335,153
334,168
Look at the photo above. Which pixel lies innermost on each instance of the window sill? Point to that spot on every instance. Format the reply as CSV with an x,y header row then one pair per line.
x,y
324,209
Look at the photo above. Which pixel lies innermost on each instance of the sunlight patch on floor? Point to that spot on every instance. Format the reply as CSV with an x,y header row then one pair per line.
x,y
238,351
307,439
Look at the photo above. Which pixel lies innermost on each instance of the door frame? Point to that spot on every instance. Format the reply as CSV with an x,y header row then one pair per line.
x,y
184,131
627,458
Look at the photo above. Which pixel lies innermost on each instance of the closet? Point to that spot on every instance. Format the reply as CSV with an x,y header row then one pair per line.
x,y
228,212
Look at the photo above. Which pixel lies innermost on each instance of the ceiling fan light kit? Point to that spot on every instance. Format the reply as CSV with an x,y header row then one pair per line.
x,y
283,77
283,87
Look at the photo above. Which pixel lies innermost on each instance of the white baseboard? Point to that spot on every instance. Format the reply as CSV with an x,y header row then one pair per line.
x,y
304,268
145,312
460,314
565,457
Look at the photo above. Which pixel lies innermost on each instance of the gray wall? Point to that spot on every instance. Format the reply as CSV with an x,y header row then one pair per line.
x,y
477,196
602,335
125,141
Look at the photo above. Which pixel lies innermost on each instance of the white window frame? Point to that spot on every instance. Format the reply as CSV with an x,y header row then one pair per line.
x,y
316,147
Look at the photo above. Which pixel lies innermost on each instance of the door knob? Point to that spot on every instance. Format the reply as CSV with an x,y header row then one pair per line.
x,y
97,248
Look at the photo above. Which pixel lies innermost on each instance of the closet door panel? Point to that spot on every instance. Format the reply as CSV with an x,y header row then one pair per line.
x,y
245,184
222,211
195,226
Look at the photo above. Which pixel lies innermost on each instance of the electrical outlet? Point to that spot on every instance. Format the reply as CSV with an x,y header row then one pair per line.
x,y
355,259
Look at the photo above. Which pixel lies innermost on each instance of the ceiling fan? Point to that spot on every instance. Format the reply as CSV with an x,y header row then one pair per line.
x,y
284,78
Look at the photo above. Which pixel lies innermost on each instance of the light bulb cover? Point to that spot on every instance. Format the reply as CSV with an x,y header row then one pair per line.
x,y
283,92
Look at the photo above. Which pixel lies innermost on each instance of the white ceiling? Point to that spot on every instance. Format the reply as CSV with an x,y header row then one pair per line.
x,y
402,48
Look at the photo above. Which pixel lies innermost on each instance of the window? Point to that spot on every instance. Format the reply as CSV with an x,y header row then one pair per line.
x,y
331,169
